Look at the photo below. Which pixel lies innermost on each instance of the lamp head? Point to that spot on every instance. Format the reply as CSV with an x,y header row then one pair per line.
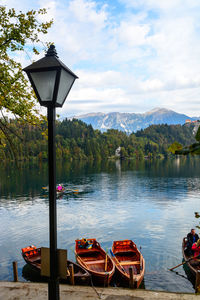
x,y
51,79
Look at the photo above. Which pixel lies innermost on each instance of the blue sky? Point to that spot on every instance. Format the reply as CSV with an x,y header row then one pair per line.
x,y
130,55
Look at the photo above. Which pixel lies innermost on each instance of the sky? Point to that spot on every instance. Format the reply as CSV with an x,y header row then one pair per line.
x,y
130,55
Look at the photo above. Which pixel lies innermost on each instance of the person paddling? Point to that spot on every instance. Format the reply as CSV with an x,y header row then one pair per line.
x,y
192,238
59,188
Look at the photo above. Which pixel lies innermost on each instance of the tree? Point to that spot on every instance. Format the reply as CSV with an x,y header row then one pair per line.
x,y
193,148
197,136
174,147
123,153
17,32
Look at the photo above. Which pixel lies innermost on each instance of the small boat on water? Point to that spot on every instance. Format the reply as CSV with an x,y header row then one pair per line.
x,y
192,264
126,255
95,260
32,257
60,192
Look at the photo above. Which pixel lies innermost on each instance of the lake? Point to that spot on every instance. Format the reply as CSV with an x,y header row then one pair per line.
x,y
150,202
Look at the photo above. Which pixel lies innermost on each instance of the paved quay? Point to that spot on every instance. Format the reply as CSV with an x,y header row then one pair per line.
x,y
33,291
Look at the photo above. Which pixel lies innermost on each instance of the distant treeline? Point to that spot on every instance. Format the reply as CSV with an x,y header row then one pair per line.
x,y
76,140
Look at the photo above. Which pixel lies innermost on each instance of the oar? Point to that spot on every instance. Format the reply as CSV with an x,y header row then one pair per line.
x,y
71,190
186,261
117,261
106,261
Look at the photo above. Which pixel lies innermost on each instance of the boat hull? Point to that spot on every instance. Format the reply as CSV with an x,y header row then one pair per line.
x,y
193,269
60,192
96,261
97,278
81,276
126,256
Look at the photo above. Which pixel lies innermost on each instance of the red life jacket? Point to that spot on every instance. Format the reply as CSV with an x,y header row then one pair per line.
x,y
196,249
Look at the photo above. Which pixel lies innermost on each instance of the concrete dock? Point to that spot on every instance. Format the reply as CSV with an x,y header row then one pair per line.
x,y
38,291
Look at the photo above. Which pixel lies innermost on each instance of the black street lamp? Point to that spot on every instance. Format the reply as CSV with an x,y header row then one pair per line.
x,y
51,81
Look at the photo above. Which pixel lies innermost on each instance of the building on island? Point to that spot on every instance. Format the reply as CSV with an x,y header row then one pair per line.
x,y
118,152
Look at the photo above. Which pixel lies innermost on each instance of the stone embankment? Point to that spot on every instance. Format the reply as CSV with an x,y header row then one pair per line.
x,y
38,291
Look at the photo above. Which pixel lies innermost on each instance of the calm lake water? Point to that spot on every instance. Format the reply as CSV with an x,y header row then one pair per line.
x,y
152,203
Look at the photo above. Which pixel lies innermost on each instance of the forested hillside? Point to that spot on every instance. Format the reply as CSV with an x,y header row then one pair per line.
x,y
77,140
167,134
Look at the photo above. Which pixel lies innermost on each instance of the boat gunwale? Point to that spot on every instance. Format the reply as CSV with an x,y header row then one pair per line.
x,y
37,266
137,277
185,257
97,274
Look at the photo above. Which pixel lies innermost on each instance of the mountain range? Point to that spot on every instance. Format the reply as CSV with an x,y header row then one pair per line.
x,y
132,122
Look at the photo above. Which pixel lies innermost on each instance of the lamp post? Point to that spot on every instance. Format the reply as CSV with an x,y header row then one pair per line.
x,y
52,82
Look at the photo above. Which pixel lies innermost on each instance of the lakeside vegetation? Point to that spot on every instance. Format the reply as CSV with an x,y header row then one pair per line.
x,y
20,33
76,140
193,149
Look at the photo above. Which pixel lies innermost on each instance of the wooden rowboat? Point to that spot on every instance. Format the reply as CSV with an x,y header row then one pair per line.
x,y
193,265
96,261
32,257
126,255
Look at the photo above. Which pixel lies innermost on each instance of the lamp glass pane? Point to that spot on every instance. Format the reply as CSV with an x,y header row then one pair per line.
x,y
66,81
44,82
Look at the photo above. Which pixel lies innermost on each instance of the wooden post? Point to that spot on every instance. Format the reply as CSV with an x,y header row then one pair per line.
x,y
197,282
107,280
131,281
15,271
71,271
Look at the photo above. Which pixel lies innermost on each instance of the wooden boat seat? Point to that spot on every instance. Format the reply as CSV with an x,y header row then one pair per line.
x,y
124,251
126,263
35,258
93,262
87,251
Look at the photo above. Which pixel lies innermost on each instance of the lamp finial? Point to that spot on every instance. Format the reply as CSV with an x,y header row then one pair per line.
x,y
51,51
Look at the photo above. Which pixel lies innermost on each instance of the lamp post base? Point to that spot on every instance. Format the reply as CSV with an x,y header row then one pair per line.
x,y
53,289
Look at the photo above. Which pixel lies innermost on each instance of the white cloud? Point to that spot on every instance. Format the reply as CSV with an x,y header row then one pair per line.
x,y
132,35
132,60
162,5
85,12
77,28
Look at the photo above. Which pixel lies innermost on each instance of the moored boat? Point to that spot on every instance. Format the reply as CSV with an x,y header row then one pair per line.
x,y
193,265
126,255
32,256
95,260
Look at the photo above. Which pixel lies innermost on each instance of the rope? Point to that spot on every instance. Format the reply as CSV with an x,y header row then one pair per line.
x,y
98,294
105,284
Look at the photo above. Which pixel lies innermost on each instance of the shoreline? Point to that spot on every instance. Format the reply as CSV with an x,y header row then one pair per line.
x,y
39,291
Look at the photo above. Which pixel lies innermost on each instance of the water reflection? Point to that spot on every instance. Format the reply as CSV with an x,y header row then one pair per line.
x,y
31,274
152,203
